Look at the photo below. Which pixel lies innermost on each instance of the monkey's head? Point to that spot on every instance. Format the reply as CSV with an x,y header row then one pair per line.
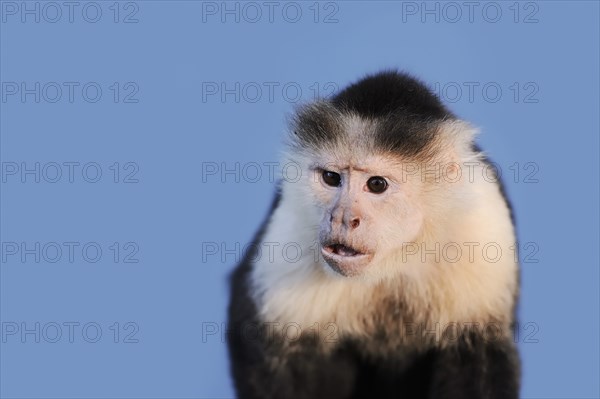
x,y
381,163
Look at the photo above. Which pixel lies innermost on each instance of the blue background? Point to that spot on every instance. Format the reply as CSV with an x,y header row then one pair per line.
x,y
176,212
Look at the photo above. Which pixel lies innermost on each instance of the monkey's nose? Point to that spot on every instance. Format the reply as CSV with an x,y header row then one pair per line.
x,y
344,219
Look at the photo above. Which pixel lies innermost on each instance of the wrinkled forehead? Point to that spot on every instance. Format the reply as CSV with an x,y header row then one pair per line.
x,y
342,137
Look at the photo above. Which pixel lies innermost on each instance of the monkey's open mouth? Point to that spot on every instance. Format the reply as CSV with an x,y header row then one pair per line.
x,y
344,259
341,250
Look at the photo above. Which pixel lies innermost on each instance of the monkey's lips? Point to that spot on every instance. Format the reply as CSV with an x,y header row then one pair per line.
x,y
344,259
341,250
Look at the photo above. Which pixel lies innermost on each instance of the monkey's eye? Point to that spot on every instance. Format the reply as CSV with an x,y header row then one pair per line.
x,y
331,178
377,184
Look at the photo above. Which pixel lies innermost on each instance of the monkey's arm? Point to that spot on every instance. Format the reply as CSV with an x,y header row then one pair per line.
x,y
477,368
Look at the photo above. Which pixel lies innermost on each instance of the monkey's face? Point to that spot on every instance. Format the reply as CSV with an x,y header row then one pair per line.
x,y
368,210
369,197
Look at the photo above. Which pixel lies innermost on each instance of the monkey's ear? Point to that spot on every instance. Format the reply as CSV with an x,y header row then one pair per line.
x,y
458,138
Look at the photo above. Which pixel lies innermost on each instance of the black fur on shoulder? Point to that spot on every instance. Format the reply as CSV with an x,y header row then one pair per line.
x,y
245,353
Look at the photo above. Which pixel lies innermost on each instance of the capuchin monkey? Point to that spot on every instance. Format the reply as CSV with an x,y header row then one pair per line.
x,y
387,269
